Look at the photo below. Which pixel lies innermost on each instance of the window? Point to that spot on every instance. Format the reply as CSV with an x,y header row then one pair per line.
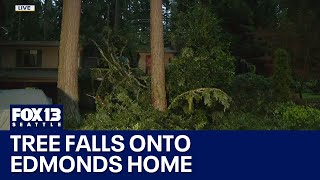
x,y
29,58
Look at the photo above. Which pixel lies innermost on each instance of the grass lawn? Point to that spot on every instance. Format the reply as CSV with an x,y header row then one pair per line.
x,y
311,97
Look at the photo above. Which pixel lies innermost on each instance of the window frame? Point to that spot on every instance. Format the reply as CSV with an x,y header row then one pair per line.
x,y
21,61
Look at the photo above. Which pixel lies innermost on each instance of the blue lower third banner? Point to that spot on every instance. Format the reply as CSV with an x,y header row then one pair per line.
x,y
37,147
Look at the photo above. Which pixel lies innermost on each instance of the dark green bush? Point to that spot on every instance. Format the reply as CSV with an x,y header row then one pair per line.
x,y
317,87
312,86
201,107
122,112
246,121
282,77
279,116
126,114
190,71
294,117
251,92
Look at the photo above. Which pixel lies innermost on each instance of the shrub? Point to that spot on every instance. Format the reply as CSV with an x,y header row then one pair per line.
x,y
251,92
245,121
294,117
200,108
317,87
189,72
281,116
125,115
210,97
312,86
281,79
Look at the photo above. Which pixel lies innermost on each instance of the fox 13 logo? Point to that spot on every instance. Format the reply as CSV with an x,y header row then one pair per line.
x,y
36,117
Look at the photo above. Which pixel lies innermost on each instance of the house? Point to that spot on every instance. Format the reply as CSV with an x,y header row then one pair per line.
x,y
29,64
29,61
144,59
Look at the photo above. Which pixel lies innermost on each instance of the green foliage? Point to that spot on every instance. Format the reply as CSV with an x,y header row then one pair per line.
x,y
209,96
250,90
281,116
123,102
242,19
294,117
122,97
246,121
43,24
313,86
312,100
281,78
200,108
124,113
118,78
205,61
122,108
197,28
190,71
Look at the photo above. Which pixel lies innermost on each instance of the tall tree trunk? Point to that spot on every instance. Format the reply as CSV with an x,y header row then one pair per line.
x,y
68,60
157,53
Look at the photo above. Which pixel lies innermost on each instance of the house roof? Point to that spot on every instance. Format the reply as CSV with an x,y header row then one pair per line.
x,y
30,43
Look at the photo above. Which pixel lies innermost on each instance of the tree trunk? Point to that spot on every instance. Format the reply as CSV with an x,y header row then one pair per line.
x,y
157,53
68,60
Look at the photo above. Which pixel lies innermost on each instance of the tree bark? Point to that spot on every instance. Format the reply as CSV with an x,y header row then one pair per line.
x,y
157,54
68,60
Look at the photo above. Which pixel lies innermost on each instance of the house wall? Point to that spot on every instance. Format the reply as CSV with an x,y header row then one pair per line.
x,y
143,60
50,56
168,58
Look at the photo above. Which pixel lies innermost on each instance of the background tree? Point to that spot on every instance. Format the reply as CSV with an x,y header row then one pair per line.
x,y
157,54
205,60
68,60
117,15
46,21
2,12
282,78
301,23
296,30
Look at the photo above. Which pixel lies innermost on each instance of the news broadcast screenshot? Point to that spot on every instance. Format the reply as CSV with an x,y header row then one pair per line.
x,y
159,89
